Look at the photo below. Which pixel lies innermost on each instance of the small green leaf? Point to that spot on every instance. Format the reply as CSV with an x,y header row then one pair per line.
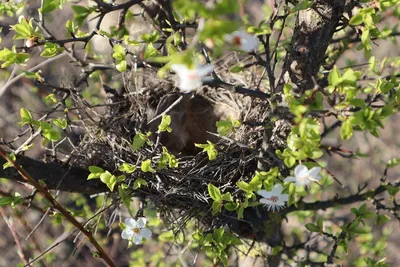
x,y
70,25
167,236
303,5
127,168
26,117
95,172
210,149
81,13
60,122
138,183
313,228
121,66
124,196
8,164
346,131
244,186
227,197
231,206
165,124
393,162
146,166
216,207
357,19
214,192
218,234
150,37
109,179
139,140
236,69
49,5
51,98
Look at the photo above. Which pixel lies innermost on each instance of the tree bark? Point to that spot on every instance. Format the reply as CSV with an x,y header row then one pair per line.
x,y
54,175
312,35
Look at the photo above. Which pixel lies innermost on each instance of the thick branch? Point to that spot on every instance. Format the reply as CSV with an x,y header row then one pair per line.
x,y
323,205
73,179
312,35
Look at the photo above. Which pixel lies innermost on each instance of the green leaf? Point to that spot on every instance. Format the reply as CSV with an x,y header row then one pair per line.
x,y
313,228
139,140
167,236
346,131
214,192
382,219
236,69
226,126
121,66
227,197
139,183
81,13
393,162
165,124
210,149
357,19
231,206
127,168
109,179
150,51
10,57
218,234
150,37
8,164
48,132
146,166
51,50
216,207
95,172
124,196
26,117
392,190
60,122
276,250
51,98
70,25
49,5
303,5
244,186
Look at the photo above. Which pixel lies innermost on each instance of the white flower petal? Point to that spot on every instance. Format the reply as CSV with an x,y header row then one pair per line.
x,y
137,239
131,223
277,190
272,205
300,171
243,40
127,233
141,222
179,68
284,197
266,201
189,85
290,179
314,174
264,193
145,233
204,70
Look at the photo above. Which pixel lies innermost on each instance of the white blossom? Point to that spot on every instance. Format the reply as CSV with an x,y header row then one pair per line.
x,y
304,176
21,18
243,41
273,199
135,230
191,79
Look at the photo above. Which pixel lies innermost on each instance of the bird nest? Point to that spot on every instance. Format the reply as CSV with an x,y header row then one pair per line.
x,y
180,194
